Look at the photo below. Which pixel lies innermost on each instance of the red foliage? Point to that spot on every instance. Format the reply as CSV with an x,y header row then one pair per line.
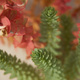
x,y
5,24
16,20
2,2
61,6
12,20
76,34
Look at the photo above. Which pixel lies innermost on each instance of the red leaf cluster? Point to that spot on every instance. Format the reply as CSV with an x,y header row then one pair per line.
x,y
61,6
76,34
13,24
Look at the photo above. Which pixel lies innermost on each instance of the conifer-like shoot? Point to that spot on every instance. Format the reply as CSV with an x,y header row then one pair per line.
x,y
72,64
66,36
49,29
18,70
50,66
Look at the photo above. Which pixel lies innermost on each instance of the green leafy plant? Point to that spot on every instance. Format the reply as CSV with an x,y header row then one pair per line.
x,y
67,65
66,35
72,64
55,62
49,29
18,69
50,65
